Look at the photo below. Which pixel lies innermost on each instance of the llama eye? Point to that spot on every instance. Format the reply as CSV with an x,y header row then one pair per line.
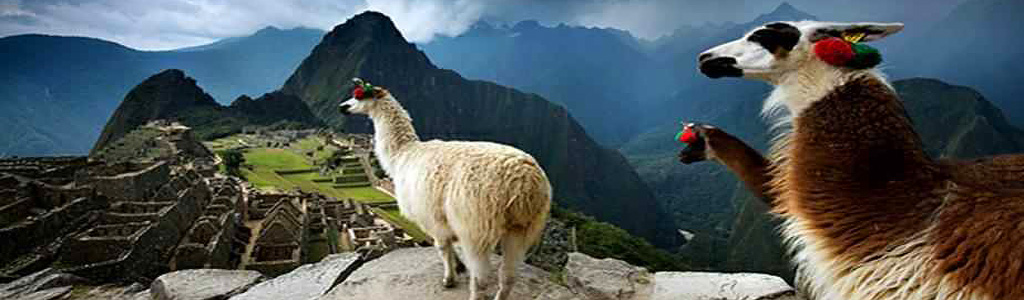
x,y
773,39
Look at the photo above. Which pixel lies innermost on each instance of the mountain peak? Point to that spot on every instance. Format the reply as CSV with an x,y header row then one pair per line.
x,y
161,96
784,12
268,30
784,7
363,46
374,23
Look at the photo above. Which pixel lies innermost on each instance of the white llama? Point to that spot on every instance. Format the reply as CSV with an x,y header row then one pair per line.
x,y
474,194
868,215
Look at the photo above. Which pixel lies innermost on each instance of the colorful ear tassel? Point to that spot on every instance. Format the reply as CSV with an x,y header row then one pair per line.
x,y
363,91
843,53
686,136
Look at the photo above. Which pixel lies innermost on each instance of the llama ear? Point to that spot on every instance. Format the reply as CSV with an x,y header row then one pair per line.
x,y
858,32
379,92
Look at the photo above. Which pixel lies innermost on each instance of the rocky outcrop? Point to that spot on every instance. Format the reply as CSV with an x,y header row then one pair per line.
x,y
306,282
415,273
606,279
45,284
699,285
201,284
585,176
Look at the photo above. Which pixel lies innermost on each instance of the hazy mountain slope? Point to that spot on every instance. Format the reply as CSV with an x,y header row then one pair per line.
x,y
598,74
586,177
973,46
57,92
248,65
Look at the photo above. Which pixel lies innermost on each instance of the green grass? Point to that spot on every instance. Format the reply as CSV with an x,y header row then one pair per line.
x,y
266,178
395,217
264,163
367,194
277,159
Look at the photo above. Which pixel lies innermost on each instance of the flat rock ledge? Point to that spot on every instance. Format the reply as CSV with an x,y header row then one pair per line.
x,y
702,285
202,284
414,273
307,281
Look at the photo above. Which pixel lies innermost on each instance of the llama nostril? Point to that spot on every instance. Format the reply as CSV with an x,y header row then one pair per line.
x,y
720,67
703,57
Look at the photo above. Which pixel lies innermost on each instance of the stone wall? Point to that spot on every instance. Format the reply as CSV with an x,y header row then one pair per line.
x,y
132,185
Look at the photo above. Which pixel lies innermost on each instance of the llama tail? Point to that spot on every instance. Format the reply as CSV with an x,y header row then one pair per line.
x,y
527,210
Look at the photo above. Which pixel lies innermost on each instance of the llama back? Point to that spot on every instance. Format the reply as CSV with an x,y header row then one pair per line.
x,y
501,188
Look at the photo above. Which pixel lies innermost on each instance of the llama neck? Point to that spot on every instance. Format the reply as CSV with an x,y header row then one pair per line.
x,y
814,80
859,130
854,175
393,132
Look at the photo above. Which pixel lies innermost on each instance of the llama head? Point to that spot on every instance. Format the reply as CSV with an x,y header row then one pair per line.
x,y
365,97
773,50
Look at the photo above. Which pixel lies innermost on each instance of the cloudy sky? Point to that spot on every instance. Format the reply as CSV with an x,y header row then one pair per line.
x,y
168,24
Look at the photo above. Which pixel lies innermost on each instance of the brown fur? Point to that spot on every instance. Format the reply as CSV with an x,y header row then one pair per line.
x,y
856,170
855,173
749,166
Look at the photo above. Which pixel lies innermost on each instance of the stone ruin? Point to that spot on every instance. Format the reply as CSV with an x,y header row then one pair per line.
x,y
145,212
217,238
161,140
278,246
295,228
124,219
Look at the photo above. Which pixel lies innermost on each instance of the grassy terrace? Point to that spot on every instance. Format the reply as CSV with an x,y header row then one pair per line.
x,y
286,169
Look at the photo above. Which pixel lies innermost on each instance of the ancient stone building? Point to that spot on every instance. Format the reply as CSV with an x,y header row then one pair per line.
x,y
135,236
278,246
123,215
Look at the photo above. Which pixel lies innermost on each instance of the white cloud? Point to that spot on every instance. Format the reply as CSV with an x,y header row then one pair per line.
x,y
166,24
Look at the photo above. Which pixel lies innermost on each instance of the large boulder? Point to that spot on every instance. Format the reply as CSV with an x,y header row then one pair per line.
x,y
720,286
415,273
306,282
203,284
606,279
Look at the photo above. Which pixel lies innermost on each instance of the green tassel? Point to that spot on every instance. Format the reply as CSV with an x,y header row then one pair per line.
x,y
864,57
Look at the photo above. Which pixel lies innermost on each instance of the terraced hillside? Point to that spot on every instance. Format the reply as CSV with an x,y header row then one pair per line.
x,y
275,164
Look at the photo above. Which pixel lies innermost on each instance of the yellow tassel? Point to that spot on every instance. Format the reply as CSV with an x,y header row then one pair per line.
x,y
854,37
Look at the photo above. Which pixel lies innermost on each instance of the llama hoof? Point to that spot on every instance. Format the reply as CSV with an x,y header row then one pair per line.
x,y
448,283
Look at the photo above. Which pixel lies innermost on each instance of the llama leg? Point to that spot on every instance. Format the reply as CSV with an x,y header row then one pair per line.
x,y
447,252
479,265
513,251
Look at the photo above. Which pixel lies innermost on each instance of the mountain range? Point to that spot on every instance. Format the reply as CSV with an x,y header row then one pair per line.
x,y
57,92
586,176
170,95
575,98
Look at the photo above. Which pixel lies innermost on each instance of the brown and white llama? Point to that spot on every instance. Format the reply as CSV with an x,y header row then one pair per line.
x,y
867,214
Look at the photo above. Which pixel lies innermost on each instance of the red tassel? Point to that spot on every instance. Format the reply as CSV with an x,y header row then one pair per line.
x,y
688,136
834,51
358,92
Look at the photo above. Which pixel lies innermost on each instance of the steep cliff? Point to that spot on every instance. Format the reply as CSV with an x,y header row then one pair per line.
x,y
586,177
